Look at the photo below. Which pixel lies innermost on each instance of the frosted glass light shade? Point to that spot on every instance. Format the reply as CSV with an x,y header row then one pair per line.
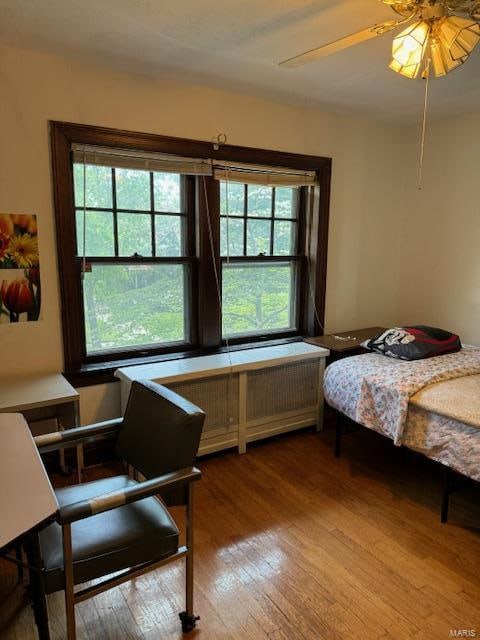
x,y
409,71
449,42
408,47
442,61
459,36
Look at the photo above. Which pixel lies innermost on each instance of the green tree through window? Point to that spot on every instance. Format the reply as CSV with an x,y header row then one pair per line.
x,y
259,223
131,215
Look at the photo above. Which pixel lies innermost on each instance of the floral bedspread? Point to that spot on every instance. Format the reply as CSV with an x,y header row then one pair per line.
x,y
454,444
374,390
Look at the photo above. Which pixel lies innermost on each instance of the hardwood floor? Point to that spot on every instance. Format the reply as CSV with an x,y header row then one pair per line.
x,y
293,544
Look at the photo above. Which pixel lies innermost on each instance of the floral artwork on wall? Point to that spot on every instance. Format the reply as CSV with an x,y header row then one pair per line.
x,y
20,290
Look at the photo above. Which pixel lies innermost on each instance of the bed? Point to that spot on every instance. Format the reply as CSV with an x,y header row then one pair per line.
x,y
431,406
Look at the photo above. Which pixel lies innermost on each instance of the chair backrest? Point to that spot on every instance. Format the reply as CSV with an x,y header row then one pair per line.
x,y
160,432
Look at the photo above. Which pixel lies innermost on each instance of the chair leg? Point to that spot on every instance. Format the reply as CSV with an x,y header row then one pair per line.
x,y
446,495
188,618
69,584
36,586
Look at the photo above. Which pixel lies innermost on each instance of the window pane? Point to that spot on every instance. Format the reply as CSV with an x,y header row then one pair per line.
x,y
98,233
133,189
257,298
134,234
284,198
259,200
99,186
128,306
235,236
284,238
167,192
236,193
258,237
168,236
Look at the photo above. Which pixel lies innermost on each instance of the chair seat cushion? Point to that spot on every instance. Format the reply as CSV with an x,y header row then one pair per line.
x,y
111,541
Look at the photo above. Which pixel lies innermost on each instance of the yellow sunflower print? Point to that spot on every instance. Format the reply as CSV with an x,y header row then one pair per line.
x,y
23,250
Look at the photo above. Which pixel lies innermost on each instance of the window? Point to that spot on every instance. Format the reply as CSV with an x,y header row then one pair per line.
x,y
135,286
168,247
259,248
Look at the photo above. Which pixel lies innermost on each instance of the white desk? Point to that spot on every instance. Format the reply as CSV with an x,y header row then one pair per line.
x,y
26,495
47,401
27,393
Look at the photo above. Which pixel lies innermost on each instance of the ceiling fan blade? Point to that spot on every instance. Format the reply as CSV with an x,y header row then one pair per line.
x,y
342,43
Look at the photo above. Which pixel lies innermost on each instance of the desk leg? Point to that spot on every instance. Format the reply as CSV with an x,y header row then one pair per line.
x,y
63,465
80,459
37,588
68,417
61,452
19,557
80,463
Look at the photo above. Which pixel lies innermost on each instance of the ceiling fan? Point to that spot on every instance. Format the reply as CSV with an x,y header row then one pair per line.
x,y
441,34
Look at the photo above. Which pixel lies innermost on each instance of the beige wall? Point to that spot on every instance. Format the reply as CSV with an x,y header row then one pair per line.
x,y
364,252
440,268
100,402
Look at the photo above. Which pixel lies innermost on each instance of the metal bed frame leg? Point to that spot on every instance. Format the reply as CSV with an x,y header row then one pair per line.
x,y
446,494
188,618
338,435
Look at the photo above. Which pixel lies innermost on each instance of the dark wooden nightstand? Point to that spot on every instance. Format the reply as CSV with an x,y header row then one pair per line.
x,y
343,348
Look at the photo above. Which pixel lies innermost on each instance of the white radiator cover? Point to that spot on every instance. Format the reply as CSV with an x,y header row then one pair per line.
x,y
218,397
253,394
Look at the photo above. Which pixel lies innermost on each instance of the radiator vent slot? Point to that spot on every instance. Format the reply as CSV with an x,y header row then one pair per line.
x,y
217,396
282,389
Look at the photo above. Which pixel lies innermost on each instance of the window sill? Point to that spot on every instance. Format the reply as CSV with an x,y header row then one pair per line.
x,y
103,372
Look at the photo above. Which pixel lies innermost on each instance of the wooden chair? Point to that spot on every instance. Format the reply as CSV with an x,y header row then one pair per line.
x,y
118,524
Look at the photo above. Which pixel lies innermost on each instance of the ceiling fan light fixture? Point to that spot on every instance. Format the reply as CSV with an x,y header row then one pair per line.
x,y
436,41
450,41
409,46
459,36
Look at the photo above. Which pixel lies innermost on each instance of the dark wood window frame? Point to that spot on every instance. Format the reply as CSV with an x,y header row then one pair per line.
x,y
206,325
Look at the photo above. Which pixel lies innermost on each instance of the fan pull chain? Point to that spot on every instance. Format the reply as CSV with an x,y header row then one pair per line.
x,y
424,125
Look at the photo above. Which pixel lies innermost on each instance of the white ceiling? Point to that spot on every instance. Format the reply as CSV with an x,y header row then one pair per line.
x,y
237,44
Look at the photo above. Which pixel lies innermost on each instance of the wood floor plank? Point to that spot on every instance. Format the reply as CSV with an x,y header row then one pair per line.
x,y
292,544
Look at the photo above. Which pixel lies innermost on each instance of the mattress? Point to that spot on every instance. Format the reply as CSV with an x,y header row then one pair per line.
x,y
432,408
443,439
458,399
